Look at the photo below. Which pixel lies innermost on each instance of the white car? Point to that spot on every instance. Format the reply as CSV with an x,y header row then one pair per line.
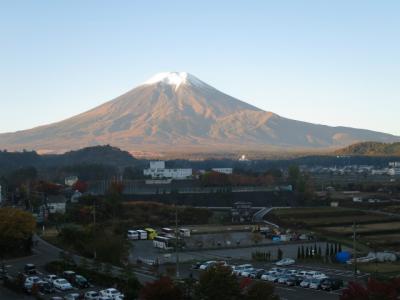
x,y
246,273
112,293
285,262
50,278
266,274
72,296
92,295
237,270
62,284
30,281
207,265
306,283
316,283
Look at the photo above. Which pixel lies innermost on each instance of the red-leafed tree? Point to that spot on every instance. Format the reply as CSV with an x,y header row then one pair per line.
x,y
48,188
80,186
374,290
164,289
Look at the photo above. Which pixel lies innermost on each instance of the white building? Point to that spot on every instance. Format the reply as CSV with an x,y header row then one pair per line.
x,y
71,180
394,164
157,170
394,172
223,170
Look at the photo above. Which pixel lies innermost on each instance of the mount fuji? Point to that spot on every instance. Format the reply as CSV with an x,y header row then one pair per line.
x,y
175,111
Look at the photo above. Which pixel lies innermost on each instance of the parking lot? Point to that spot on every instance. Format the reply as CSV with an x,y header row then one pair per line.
x,y
297,292
145,250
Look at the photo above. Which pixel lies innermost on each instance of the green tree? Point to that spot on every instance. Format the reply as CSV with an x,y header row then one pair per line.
x,y
218,283
261,291
280,254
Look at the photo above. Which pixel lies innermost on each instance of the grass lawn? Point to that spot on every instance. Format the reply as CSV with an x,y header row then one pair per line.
x,y
381,268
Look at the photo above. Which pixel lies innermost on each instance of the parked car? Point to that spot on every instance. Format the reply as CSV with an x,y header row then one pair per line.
x,y
294,280
330,284
50,278
315,274
112,293
267,274
81,282
45,287
316,283
246,273
91,295
69,275
72,296
257,273
29,282
30,269
283,278
208,264
291,272
285,262
273,277
306,283
237,270
62,284
3,272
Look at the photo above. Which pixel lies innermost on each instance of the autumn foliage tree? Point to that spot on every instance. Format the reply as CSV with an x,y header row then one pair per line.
x,y
16,230
80,186
260,291
374,290
162,289
218,283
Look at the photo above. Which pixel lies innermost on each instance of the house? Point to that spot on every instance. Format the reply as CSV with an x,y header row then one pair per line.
x,y
71,180
157,170
76,196
223,170
56,204
241,212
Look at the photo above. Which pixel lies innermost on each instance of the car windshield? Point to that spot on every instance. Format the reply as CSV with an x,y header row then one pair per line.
x,y
62,281
80,278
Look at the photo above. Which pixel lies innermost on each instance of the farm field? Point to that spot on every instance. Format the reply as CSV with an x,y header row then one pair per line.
x,y
329,216
366,228
374,230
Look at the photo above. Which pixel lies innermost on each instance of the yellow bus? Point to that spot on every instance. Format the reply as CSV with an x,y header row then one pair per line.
x,y
151,233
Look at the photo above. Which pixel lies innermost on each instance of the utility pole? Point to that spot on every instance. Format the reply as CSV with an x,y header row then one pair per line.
x,y
94,227
354,250
176,242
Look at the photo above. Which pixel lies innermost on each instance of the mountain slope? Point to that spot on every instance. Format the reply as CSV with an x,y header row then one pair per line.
x,y
371,149
175,112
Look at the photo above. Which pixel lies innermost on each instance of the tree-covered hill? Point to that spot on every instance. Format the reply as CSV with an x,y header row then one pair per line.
x,y
372,149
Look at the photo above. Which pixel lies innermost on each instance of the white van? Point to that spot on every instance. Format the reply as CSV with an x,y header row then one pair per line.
x,y
142,234
133,235
184,232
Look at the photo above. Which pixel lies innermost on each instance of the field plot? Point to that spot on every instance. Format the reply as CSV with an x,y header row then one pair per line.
x,y
366,228
328,216
374,231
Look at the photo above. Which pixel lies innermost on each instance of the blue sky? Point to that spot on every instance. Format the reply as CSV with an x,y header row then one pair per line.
x,y
327,62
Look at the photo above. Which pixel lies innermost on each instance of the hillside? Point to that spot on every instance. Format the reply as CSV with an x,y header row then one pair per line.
x,y
371,148
99,155
177,112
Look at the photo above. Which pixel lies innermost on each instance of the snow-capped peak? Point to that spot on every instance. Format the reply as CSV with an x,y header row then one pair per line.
x,y
174,78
